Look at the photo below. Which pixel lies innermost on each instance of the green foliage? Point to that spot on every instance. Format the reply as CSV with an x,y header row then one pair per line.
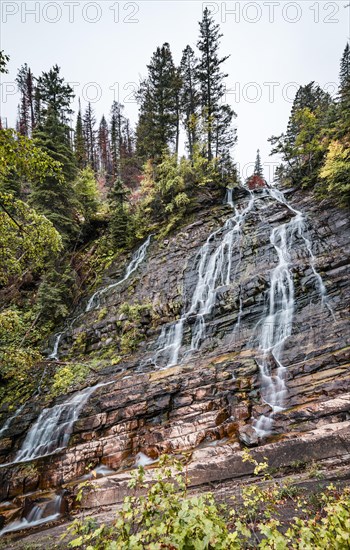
x,y
18,352
335,173
161,518
79,344
158,124
67,377
159,514
304,145
86,193
119,217
168,190
56,293
130,326
23,162
315,149
27,239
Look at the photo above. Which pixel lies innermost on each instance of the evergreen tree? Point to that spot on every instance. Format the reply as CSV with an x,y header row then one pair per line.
x,y
130,169
89,123
344,76
310,97
37,107
79,142
103,147
343,118
116,138
50,196
159,106
4,59
25,83
258,169
55,95
210,77
53,198
119,218
304,145
189,98
224,139
86,193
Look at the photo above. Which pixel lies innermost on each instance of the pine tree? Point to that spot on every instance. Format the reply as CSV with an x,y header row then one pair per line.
x,y
158,96
116,138
51,197
25,83
103,148
210,77
344,76
55,95
310,97
343,118
224,138
189,98
304,145
4,59
119,219
130,169
258,169
89,122
79,142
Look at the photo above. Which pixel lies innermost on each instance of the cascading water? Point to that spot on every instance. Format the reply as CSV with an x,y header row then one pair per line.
x,y
52,430
214,270
38,514
11,419
94,301
136,260
276,325
54,354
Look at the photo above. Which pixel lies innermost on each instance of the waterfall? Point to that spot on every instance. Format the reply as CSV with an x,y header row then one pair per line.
x,y
277,322
37,515
11,419
136,260
52,430
229,197
54,354
214,261
94,301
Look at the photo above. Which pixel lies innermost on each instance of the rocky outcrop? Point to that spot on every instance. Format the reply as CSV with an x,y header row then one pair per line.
x,y
207,405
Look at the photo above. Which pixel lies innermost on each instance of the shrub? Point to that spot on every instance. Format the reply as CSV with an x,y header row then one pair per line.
x,y
163,516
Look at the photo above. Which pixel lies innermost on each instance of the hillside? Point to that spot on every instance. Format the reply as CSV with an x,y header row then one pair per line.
x,y
236,332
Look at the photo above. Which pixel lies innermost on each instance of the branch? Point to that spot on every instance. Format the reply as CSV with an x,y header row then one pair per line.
x,y
20,227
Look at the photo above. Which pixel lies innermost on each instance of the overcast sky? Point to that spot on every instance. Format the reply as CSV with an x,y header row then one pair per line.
x,y
103,48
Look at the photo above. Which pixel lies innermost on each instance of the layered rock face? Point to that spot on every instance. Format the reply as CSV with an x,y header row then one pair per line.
x,y
262,356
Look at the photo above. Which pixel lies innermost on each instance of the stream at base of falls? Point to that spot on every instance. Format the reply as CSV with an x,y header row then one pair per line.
x,y
40,513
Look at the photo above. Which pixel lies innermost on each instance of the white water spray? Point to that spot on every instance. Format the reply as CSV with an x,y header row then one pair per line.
x,y
52,430
11,419
54,354
38,514
276,325
213,271
136,260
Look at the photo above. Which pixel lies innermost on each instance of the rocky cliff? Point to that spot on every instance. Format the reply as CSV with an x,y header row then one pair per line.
x,y
230,333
